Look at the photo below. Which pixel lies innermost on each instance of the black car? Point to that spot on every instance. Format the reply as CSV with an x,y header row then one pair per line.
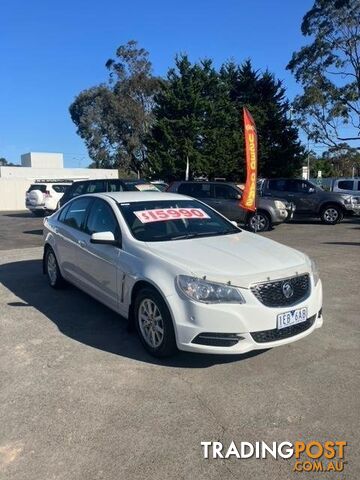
x,y
225,198
310,200
106,185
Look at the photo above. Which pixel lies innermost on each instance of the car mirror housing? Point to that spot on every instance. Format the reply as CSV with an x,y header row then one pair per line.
x,y
105,238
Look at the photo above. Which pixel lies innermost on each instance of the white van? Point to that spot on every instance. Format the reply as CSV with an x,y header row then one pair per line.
x,y
346,185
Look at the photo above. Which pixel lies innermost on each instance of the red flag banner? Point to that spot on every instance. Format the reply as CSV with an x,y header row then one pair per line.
x,y
248,199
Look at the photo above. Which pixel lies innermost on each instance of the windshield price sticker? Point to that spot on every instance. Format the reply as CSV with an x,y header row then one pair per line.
x,y
161,214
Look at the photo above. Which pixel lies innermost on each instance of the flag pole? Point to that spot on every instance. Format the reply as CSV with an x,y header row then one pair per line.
x,y
187,168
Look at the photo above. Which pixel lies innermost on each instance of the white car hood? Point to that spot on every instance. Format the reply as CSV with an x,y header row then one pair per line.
x,y
242,258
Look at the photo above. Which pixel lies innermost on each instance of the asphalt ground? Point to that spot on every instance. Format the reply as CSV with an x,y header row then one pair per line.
x,y
80,398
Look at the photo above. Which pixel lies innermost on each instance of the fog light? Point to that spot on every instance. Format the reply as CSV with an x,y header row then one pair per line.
x,y
218,339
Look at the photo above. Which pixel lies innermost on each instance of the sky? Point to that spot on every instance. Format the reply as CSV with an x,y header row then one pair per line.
x,y
50,51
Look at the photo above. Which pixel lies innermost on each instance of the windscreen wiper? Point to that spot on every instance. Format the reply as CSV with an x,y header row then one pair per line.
x,y
201,234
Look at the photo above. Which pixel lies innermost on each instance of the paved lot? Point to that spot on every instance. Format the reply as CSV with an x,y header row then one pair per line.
x,y
80,399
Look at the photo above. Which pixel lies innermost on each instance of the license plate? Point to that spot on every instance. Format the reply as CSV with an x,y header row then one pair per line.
x,y
291,318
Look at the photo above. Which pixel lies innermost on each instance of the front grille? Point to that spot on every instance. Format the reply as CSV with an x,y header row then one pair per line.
x,y
273,335
272,294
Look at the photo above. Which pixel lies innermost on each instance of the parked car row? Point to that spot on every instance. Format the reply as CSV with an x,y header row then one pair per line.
x,y
277,200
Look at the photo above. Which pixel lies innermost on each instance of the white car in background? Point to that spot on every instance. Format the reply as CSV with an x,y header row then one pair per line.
x,y
43,198
184,274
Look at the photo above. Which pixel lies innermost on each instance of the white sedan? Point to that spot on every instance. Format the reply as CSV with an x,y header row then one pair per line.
x,y
187,277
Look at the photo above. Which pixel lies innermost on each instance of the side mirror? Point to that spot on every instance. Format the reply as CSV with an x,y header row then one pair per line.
x,y
234,223
105,238
311,190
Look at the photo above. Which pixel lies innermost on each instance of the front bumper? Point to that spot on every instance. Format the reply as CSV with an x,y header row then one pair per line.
x,y
353,208
279,216
252,323
32,208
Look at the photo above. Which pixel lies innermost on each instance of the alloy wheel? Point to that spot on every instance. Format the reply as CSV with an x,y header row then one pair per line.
x,y
151,323
331,215
51,268
258,222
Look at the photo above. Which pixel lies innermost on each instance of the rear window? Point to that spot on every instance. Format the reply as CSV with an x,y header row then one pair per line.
x,y
60,188
37,186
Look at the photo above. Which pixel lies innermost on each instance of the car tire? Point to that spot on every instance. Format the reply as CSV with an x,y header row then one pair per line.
x,y
154,323
331,214
259,221
52,270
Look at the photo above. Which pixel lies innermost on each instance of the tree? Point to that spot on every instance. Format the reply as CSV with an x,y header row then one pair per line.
x,y
5,163
195,121
114,118
198,116
280,151
329,71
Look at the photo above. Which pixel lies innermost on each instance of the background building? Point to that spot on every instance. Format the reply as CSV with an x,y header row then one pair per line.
x,y
14,181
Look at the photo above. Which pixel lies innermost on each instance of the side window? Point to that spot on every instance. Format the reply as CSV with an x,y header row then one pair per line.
x,y
279,185
62,214
303,187
186,189
346,184
60,188
95,186
76,212
102,219
114,186
226,192
204,190
292,186
77,189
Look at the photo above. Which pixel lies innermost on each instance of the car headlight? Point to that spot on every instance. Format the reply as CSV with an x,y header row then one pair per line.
x,y
208,292
279,204
348,199
314,272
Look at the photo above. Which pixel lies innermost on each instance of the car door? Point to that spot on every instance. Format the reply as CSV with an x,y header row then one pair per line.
x,y
69,227
227,202
303,194
99,265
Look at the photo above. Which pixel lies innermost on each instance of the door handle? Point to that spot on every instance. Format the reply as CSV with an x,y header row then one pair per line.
x,y
81,243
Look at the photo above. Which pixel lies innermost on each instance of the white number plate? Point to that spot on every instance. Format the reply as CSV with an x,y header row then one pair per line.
x,y
291,318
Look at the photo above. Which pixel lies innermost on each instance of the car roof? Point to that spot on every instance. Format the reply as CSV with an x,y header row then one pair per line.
x,y
124,197
132,180
199,182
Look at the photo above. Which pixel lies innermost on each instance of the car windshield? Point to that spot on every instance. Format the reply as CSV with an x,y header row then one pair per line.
x,y
167,220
